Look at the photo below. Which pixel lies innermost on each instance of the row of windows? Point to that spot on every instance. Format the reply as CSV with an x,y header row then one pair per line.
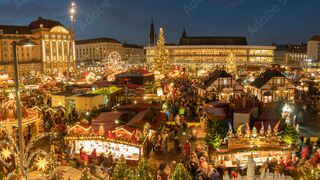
x,y
56,36
86,50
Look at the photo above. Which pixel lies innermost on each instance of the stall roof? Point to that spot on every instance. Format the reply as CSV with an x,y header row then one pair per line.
x,y
269,115
215,112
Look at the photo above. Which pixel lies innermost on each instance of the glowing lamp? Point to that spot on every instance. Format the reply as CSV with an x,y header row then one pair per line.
x,y
159,91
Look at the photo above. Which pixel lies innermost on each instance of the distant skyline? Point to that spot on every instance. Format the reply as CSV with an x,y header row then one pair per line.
x,y
262,22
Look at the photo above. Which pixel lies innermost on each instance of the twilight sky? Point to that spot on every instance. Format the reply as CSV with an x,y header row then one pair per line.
x,y
261,21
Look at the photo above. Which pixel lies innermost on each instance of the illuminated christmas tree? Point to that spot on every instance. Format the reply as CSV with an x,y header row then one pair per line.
x,y
161,61
143,171
181,173
231,65
122,172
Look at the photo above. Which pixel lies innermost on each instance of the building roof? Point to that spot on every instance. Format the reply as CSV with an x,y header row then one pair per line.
x,y
294,48
65,93
135,73
269,115
88,95
315,38
125,45
213,40
218,73
265,77
97,40
13,29
46,23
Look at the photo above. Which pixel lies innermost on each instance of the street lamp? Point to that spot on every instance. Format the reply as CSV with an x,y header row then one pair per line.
x,y
72,20
22,43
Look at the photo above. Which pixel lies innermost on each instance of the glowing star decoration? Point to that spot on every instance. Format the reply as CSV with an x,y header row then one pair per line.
x,y
5,153
42,164
286,108
11,96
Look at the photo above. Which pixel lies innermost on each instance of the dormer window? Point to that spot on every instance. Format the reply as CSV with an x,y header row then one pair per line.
x,y
278,81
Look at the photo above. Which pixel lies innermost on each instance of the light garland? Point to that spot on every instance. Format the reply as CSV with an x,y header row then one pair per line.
x,y
102,138
10,148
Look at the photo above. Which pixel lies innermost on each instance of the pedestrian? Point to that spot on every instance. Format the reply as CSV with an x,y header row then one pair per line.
x,y
187,148
176,145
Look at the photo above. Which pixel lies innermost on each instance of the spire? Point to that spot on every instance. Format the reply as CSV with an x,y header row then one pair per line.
x,y
152,25
152,35
184,33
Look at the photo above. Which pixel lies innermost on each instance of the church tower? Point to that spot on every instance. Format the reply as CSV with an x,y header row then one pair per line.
x,y
152,35
184,33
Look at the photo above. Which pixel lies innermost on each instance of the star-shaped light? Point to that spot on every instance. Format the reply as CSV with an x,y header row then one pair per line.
x,y
5,153
11,96
42,164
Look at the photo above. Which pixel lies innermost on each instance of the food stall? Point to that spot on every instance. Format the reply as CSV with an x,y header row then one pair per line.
x,y
129,150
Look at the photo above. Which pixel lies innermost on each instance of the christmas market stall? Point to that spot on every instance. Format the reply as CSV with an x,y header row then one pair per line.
x,y
120,133
263,145
32,123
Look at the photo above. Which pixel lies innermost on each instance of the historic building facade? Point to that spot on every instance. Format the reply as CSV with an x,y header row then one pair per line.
x,y
202,51
293,55
314,48
94,51
51,53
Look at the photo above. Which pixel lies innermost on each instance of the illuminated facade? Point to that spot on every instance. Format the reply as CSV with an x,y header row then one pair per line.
x,y
314,48
92,51
196,51
216,54
51,54
293,55
272,86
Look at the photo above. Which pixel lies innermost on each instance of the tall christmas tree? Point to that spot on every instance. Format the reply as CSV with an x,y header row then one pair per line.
x,y
180,173
231,65
161,61
122,172
143,170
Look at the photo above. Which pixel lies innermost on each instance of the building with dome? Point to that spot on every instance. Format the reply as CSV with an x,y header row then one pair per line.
x,y
31,120
51,54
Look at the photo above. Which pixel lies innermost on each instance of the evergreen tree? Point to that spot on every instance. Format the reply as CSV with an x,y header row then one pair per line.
x,y
231,65
143,171
216,131
180,173
122,172
162,58
289,135
85,174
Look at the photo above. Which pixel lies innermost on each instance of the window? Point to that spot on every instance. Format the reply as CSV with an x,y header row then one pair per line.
x,y
278,81
225,81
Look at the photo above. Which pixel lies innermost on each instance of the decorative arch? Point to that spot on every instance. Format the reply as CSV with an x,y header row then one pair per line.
x,y
59,29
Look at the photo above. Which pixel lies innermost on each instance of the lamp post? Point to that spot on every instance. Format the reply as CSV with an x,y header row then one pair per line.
x,y
22,43
72,20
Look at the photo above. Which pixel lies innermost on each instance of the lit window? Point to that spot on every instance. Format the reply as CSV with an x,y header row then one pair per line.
x,y
225,81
